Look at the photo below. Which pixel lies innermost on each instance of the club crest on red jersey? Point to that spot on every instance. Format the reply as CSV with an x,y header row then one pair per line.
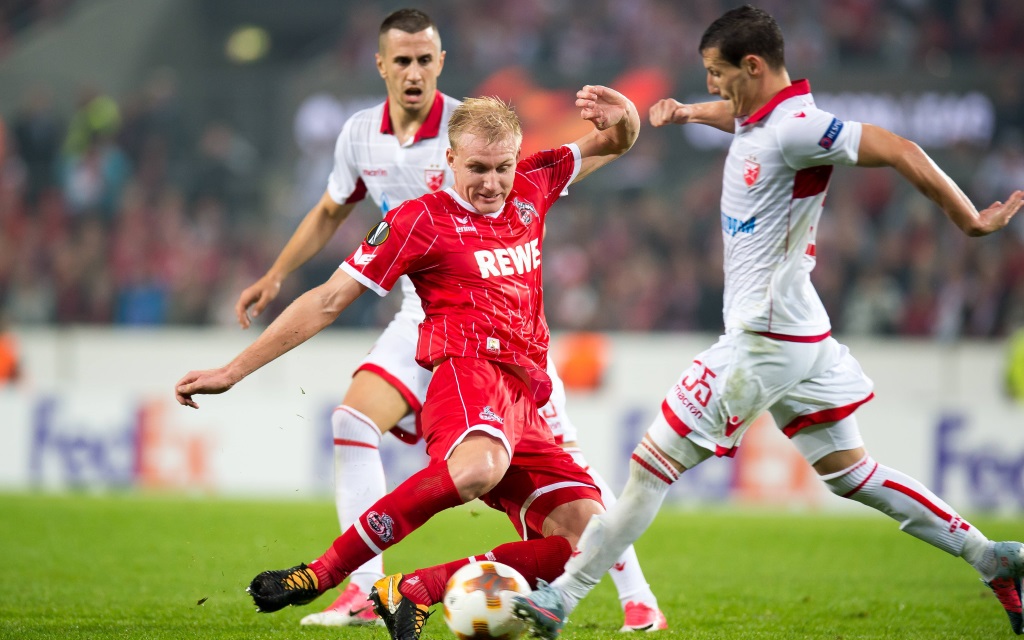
x,y
751,170
434,178
526,210
378,234
489,415
382,526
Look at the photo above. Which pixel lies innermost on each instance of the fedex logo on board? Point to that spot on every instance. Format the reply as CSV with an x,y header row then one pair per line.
x,y
70,447
506,262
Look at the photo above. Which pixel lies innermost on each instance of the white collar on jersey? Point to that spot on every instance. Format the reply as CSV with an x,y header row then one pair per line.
x,y
465,205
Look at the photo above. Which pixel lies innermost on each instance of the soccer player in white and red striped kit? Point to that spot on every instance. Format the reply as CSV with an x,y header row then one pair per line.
x,y
474,253
777,354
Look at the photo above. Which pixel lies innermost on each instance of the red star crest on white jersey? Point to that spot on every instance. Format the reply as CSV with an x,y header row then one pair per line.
x,y
434,178
751,170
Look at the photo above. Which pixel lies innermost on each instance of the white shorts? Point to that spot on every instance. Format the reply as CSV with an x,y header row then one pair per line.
x,y
744,374
393,358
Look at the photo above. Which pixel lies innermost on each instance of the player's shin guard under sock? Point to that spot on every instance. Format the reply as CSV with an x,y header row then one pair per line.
x,y
358,478
626,573
609,534
387,522
919,511
542,559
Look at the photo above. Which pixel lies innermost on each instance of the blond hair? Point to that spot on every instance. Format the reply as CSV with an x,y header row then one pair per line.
x,y
489,117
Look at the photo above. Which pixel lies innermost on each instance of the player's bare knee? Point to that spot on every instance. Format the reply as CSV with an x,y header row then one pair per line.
x,y
473,481
570,519
837,461
477,465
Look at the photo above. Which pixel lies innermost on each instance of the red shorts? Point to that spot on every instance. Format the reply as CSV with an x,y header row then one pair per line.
x,y
473,395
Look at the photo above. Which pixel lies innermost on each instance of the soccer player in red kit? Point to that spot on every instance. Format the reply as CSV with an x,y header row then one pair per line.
x,y
474,254
386,154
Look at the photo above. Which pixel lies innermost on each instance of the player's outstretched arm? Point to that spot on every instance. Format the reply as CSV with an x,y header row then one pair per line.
x,y
309,238
882,148
616,126
304,318
716,113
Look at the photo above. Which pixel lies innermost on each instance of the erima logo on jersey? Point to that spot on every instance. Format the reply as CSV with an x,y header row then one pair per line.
x,y
378,234
463,224
831,134
506,262
732,226
489,415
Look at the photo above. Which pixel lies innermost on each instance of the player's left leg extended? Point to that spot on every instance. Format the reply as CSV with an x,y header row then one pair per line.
x,y
835,451
639,604
403,601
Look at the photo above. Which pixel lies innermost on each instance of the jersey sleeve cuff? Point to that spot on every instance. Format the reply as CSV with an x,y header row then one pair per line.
x,y
363,280
577,164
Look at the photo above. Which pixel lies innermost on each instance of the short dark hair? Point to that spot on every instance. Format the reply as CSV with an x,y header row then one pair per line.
x,y
407,20
745,31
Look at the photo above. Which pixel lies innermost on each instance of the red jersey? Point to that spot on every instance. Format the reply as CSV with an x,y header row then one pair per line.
x,y
479,276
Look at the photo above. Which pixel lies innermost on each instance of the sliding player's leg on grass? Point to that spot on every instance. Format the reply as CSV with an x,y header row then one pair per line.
x,y
387,522
836,452
404,601
479,418
547,497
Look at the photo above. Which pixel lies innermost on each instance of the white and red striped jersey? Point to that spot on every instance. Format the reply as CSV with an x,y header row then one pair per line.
x,y
479,276
368,160
776,177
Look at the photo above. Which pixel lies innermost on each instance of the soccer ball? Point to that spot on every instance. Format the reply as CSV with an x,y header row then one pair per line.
x,y
478,601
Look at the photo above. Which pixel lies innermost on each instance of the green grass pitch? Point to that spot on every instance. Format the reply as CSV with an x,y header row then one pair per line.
x,y
145,566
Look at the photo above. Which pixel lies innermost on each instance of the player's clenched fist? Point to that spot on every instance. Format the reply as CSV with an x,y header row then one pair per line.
x,y
669,111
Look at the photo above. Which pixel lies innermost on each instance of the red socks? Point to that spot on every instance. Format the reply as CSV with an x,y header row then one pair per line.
x,y
388,521
543,559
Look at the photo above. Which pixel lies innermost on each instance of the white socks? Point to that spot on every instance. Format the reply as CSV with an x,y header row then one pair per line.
x,y
358,478
920,512
626,573
609,534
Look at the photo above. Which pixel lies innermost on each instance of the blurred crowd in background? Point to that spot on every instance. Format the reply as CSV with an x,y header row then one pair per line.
x,y
123,210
